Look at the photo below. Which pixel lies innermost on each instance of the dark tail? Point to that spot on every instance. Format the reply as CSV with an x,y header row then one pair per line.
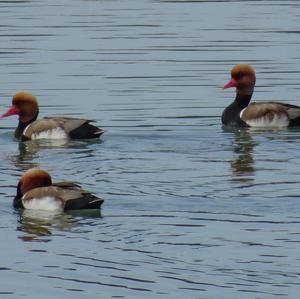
x,y
88,201
86,131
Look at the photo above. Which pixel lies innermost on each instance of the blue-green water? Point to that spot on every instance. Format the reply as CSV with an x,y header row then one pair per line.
x,y
191,210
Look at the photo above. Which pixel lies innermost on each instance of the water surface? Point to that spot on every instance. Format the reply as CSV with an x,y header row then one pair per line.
x,y
191,209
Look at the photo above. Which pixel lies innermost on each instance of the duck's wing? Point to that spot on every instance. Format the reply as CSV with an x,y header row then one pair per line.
x,y
269,114
67,185
60,196
76,198
78,128
60,128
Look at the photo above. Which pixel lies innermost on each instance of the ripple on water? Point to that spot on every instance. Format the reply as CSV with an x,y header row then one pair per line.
x,y
191,209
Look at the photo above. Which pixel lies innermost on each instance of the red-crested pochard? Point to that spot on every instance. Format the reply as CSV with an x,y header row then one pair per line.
x,y
258,114
26,106
35,191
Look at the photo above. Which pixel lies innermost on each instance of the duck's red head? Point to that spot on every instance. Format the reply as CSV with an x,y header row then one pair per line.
x,y
34,178
25,105
242,78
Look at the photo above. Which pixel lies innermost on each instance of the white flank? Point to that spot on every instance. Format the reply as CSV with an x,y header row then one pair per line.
x,y
57,133
278,121
46,203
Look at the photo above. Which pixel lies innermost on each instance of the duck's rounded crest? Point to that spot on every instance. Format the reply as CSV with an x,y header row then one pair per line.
x,y
240,70
23,96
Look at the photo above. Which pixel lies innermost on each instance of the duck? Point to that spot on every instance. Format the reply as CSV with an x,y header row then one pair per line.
x,y
242,113
25,105
35,191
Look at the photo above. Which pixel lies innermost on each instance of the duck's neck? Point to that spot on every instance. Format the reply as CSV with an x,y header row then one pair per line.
x,y
18,198
231,115
22,126
242,100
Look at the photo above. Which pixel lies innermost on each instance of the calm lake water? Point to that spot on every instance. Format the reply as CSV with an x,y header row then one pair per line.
x,y
191,210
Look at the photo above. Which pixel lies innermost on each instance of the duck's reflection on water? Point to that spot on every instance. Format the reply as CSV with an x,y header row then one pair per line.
x,y
39,226
33,146
242,166
243,146
30,150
